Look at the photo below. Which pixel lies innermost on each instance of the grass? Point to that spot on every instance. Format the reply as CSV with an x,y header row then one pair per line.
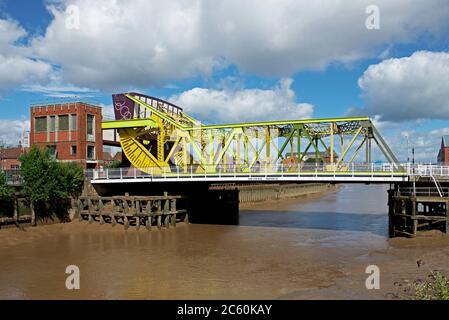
x,y
435,287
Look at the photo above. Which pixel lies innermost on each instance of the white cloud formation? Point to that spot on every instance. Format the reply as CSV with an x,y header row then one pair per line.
x,y
16,62
141,43
238,105
59,91
11,130
409,88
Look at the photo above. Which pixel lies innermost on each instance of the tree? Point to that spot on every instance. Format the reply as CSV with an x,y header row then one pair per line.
x,y
48,185
6,196
114,164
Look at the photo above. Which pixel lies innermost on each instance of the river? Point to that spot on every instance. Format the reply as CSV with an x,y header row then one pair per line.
x,y
305,248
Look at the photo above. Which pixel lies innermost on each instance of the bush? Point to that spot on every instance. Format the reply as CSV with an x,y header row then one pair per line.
x,y
49,185
436,287
114,164
6,197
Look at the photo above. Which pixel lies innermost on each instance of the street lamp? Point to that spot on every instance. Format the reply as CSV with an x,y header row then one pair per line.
x,y
408,159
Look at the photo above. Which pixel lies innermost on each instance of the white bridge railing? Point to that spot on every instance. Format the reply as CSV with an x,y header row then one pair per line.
x,y
353,170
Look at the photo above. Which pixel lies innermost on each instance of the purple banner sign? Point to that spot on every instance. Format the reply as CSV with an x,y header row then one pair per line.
x,y
123,107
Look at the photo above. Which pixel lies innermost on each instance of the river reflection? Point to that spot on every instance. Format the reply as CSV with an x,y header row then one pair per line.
x,y
351,208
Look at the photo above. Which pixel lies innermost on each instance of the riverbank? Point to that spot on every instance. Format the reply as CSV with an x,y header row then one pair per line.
x,y
316,248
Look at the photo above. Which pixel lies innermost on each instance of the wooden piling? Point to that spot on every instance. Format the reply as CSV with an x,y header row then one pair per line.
x,y
147,210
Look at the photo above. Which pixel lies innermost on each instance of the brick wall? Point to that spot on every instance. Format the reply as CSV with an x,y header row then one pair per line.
x,y
65,140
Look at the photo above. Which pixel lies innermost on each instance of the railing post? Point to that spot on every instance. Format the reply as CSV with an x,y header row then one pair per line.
x,y
107,174
191,171
135,173
121,173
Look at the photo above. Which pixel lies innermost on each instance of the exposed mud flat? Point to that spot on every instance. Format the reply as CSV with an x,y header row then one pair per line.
x,y
312,248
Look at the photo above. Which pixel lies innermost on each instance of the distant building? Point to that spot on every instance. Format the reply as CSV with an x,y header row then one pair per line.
x,y
443,154
311,156
9,158
71,131
118,157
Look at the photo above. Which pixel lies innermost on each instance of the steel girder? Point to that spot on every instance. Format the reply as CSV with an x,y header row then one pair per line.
x,y
160,136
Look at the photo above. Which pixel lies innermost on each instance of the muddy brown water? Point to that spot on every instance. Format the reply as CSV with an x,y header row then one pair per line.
x,y
306,248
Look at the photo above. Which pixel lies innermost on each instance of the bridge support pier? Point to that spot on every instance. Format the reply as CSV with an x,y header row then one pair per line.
x,y
417,208
213,206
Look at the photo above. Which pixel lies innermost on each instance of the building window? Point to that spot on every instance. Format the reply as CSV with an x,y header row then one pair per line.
x,y
73,122
15,167
40,124
90,124
73,150
52,124
90,153
63,123
52,151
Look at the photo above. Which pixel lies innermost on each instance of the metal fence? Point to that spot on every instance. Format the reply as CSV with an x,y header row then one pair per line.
x,y
13,177
257,170
423,192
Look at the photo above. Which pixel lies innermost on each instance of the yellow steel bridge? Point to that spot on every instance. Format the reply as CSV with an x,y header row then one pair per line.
x,y
158,137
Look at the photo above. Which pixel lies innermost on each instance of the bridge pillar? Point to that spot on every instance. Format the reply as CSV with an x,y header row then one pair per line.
x,y
213,206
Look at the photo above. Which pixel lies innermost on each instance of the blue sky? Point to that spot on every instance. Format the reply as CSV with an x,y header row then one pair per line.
x,y
253,60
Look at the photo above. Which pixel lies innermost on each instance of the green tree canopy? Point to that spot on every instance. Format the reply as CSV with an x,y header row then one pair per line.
x,y
48,185
6,196
6,192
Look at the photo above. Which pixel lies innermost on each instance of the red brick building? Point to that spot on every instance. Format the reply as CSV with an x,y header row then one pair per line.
x,y
71,131
9,158
443,155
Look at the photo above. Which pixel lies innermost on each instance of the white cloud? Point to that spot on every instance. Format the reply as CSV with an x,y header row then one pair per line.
x,y
11,131
141,43
59,91
17,65
409,88
238,105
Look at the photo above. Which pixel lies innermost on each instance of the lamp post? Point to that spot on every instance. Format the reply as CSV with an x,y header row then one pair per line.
x,y
408,159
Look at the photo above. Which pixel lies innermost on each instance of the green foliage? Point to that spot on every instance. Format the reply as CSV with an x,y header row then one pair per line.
x,y
49,184
6,192
71,178
6,196
435,288
113,164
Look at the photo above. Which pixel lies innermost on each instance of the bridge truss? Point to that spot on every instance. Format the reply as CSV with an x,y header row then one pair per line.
x,y
158,137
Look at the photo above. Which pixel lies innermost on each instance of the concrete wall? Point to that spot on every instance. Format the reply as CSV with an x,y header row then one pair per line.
x,y
267,192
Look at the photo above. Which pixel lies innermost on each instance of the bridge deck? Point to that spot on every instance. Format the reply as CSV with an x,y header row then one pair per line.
x,y
350,174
